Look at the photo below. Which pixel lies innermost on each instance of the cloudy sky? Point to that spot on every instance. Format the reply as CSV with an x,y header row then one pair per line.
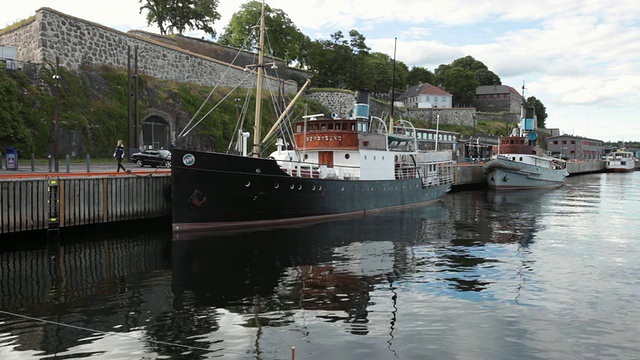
x,y
581,58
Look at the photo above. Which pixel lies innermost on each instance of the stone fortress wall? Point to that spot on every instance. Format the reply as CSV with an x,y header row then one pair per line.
x,y
78,43
341,103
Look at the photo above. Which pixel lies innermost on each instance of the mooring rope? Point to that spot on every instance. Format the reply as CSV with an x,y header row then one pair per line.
x,y
190,347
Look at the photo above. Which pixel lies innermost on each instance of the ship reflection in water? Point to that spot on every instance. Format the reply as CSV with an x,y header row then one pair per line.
x,y
353,273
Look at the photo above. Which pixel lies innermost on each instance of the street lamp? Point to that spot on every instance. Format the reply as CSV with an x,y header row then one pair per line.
x,y
56,146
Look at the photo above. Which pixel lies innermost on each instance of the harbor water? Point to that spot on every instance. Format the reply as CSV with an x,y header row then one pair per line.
x,y
550,274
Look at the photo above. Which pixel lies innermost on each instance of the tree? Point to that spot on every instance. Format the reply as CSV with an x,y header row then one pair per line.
x,y
180,15
419,75
440,73
462,84
283,38
541,110
487,77
481,71
340,62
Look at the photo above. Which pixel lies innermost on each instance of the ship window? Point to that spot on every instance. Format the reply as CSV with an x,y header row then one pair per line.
x,y
306,156
330,126
298,128
347,156
324,126
337,126
316,127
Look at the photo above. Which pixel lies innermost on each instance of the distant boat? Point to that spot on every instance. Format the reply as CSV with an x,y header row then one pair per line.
x,y
521,164
328,167
620,161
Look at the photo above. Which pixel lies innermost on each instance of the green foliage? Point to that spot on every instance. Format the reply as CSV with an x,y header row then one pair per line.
x,y
283,37
339,62
419,75
180,15
462,84
14,131
541,110
481,71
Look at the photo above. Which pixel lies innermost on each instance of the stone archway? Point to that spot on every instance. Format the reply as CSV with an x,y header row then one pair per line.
x,y
156,133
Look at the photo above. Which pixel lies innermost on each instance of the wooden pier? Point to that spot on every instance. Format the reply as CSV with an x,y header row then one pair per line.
x,y
37,201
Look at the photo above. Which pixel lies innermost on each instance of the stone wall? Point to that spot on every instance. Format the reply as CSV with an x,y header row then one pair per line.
x,y
78,42
26,39
223,53
505,117
341,103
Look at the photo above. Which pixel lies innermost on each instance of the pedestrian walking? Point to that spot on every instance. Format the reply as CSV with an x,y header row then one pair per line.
x,y
119,155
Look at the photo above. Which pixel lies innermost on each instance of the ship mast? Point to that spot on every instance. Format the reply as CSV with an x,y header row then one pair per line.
x,y
258,115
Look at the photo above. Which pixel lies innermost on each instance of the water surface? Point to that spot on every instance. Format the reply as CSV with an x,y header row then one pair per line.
x,y
550,274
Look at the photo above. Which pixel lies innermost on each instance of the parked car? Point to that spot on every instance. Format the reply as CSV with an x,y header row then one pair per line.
x,y
152,157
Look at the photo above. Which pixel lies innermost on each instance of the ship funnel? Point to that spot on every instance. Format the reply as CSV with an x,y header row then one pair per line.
x,y
361,108
529,119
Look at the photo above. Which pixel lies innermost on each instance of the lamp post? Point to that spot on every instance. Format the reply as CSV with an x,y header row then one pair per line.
x,y
56,146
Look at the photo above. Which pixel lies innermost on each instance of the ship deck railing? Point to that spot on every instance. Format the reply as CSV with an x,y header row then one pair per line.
x,y
317,171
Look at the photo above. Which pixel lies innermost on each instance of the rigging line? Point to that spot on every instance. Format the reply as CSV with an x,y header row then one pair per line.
x,y
105,332
186,132
239,122
211,93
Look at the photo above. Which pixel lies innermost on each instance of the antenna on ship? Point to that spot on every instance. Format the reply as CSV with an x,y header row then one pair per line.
x,y
393,86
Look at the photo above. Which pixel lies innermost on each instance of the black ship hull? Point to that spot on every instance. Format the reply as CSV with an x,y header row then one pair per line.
x,y
215,191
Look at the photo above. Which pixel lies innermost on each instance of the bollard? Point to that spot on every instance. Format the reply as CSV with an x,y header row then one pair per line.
x,y
68,165
33,163
49,163
88,163
293,353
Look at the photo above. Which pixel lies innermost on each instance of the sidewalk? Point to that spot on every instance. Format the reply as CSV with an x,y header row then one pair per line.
x,y
25,169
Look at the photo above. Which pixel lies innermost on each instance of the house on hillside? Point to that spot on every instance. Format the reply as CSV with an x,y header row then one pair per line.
x,y
426,96
497,98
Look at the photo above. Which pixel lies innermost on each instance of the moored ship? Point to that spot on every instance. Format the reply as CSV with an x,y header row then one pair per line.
x,y
331,167
521,164
620,161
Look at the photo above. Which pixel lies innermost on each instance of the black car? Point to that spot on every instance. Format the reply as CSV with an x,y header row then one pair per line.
x,y
152,157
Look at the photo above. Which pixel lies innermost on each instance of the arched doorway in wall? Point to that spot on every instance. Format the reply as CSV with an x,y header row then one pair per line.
x,y
155,133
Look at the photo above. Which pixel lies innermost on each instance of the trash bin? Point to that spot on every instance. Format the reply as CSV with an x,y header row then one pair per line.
x,y
12,158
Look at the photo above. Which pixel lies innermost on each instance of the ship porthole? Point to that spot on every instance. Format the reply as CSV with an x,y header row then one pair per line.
x,y
371,189
361,189
342,189
247,184
320,187
313,187
292,186
258,171
276,185
299,187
